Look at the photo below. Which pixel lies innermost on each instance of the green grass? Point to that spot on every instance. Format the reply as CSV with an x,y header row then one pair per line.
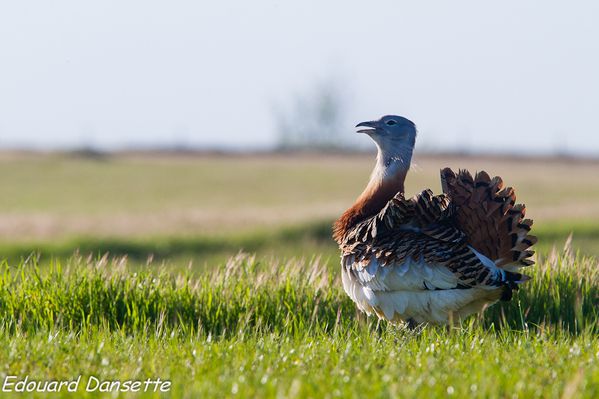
x,y
354,362
254,328
295,241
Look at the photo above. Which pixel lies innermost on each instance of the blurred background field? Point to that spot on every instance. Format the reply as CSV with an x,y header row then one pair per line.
x,y
203,208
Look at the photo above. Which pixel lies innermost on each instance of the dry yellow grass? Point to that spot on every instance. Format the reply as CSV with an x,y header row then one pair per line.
x,y
53,196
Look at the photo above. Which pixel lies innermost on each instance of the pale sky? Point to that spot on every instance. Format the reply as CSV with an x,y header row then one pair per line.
x,y
511,75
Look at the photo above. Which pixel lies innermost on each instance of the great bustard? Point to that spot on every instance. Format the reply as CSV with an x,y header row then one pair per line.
x,y
429,258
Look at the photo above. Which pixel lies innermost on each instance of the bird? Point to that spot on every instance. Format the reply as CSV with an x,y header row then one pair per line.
x,y
429,259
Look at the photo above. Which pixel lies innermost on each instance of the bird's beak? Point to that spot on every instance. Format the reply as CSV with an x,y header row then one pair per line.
x,y
371,124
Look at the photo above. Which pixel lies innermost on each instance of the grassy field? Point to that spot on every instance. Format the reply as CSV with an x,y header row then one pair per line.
x,y
134,275
207,208
259,329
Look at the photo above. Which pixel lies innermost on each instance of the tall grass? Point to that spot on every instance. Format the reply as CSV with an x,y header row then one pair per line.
x,y
252,295
257,328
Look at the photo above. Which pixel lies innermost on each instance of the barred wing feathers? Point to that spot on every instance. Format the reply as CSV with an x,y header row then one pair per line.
x,y
488,215
417,230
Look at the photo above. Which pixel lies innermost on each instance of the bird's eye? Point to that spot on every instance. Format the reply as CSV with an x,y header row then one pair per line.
x,y
391,122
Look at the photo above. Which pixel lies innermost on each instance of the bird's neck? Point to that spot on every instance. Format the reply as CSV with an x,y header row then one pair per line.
x,y
386,181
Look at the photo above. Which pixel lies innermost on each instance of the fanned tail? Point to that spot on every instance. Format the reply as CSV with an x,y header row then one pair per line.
x,y
490,218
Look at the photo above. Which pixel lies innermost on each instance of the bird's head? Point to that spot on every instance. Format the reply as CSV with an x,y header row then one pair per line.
x,y
394,136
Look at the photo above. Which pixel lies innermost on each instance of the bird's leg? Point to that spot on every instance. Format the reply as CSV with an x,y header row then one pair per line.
x,y
411,324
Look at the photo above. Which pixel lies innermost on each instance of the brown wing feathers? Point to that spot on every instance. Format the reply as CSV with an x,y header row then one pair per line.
x,y
422,211
488,215
420,228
